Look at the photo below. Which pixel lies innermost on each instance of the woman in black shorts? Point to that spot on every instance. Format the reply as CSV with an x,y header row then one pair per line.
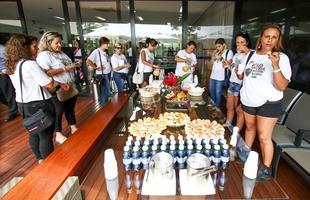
x,y
265,77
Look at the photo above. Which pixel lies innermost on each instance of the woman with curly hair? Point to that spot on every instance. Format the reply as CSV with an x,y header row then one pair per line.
x,y
59,66
29,98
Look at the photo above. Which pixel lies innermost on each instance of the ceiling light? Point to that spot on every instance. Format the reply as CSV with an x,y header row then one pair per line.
x,y
101,18
140,18
253,19
168,23
279,10
128,7
61,18
63,23
181,9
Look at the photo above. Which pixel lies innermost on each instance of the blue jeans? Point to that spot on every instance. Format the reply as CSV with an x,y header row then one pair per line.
x,y
105,87
216,88
119,80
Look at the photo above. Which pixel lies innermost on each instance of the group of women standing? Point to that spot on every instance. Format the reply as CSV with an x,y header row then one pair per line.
x,y
259,78
35,77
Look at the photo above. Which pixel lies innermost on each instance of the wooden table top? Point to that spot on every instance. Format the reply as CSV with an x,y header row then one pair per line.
x,y
229,184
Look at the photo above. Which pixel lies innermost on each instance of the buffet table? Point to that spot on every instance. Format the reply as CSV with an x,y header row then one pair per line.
x,y
228,183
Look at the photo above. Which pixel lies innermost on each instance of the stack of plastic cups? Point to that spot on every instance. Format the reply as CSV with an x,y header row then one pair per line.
x,y
250,172
111,173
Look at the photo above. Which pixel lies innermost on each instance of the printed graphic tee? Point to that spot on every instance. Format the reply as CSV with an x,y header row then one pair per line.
x,y
258,84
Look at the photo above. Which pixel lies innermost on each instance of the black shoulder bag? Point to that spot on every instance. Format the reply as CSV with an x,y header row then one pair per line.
x,y
40,120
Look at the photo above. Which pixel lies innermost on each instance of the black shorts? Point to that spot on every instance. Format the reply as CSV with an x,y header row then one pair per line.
x,y
271,109
146,76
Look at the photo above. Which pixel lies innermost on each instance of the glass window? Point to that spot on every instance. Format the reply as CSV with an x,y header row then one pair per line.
x,y
47,16
294,18
162,21
102,19
208,21
9,18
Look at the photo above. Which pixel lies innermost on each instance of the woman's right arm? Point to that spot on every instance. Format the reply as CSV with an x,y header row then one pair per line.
x,y
90,63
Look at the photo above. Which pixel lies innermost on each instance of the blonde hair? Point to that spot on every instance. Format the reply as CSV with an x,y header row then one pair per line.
x,y
47,39
117,45
278,46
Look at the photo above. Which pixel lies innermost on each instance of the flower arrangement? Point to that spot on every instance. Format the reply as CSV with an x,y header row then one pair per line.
x,y
171,88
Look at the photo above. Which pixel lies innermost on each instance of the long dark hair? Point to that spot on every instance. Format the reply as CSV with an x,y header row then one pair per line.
x,y
245,36
17,48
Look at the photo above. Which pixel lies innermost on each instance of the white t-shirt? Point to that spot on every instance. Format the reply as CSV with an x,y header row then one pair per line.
x,y
119,60
50,60
149,57
218,71
237,60
179,68
95,58
33,78
258,86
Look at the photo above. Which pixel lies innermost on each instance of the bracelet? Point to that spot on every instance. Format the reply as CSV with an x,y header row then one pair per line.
x,y
277,70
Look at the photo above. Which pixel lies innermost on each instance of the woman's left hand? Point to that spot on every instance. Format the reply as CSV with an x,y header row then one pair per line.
x,y
275,59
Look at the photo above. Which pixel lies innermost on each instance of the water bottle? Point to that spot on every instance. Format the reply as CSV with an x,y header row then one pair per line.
x,y
181,142
163,148
145,157
222,181
127,161
172,150
199,148
189,142
180,137
135,152
129,143
207,151
136,158
197,141
137,143
154,149
216,156
233,143
225,157
172,142
181,157
222,142
146,143
213,142
171,137
151,79
190,150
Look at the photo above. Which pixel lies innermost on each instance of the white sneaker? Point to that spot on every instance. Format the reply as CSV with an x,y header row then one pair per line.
x,y
60,138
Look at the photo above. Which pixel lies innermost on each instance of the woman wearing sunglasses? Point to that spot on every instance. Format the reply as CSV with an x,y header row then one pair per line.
x,y
120,68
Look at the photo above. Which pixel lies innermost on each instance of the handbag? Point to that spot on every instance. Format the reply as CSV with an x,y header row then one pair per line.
x,y
113,85
64,95
137,77
40,120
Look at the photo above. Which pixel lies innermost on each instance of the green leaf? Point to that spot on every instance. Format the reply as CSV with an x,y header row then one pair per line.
x,y
181,78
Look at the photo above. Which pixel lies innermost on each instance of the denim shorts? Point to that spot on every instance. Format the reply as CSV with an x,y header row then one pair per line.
x,y
234,89
269,109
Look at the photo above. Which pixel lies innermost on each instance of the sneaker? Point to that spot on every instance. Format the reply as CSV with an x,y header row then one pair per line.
x,y
60,138
263,174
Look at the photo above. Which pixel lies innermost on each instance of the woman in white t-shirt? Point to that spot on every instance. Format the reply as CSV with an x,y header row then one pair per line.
x,y
99,60
232,101
221,58
20,49
186,61
120,68
265,77
59,66
146,60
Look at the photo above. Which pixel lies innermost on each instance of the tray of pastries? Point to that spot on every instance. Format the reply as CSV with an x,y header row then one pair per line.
x,y
204,128
148,91
174,119
146,127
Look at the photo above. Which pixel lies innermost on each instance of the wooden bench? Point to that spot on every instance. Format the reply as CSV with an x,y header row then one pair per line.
x,y
68,159
291,139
